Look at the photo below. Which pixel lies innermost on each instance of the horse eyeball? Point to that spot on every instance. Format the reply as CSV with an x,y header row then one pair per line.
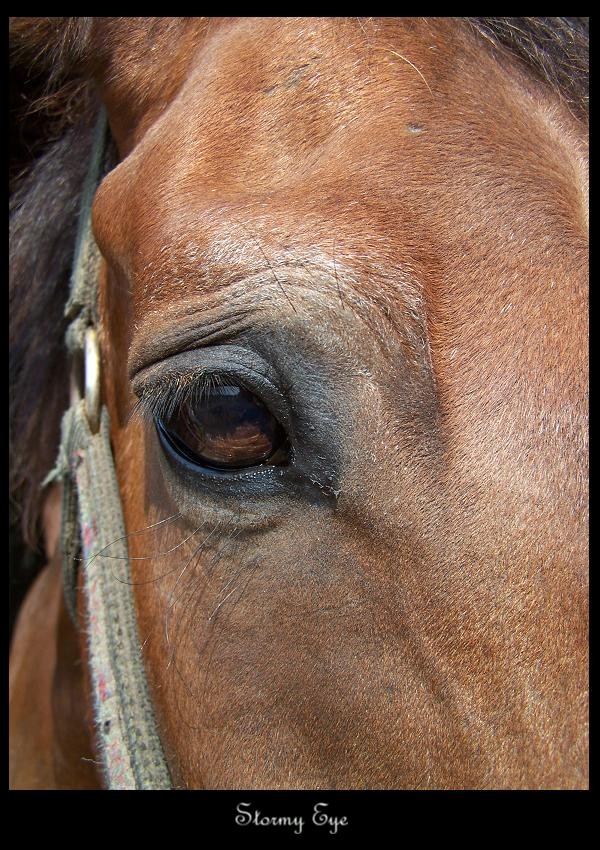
x,y
228,428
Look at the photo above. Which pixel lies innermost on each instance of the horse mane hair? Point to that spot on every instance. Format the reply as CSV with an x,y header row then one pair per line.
x,y
553,50
53,107
52,112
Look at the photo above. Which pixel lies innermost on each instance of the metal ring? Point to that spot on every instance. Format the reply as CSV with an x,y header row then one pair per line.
x,y
92,379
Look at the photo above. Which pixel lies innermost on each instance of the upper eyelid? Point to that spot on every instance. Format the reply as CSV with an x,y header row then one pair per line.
x,y
162,387
188,364
161,398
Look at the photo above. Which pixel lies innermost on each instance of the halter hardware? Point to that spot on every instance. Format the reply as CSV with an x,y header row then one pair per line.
x,y
85,378
93,534
92,379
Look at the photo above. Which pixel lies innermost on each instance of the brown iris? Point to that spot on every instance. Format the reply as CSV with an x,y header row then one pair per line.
x,y
228,428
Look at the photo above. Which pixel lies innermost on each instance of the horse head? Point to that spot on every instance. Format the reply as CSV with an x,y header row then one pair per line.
x,y
341,325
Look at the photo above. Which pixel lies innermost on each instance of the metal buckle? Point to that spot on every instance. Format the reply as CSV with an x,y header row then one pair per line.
x,y
92,379
85,373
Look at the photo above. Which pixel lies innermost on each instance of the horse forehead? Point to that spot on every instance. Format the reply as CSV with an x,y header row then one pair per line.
x,y
268,93
284,67
325,114
324,133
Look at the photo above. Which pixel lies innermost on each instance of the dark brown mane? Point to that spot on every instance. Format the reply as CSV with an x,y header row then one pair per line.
x,y
553,50
52,107
51,111
42,233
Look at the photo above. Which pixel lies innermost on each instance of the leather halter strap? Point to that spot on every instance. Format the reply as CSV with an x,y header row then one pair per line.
x,y
92,524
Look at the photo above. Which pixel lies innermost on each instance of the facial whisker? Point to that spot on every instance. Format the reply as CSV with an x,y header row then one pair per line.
x,y
172,603
193,591
212,650
127,536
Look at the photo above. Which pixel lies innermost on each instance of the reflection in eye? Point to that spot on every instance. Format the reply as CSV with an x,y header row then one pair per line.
x,y
228,428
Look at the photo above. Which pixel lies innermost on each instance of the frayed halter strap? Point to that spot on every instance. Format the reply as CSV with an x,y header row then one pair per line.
x,y
92,523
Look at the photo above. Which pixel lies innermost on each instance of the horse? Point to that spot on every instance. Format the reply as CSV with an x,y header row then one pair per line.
x,y
334,336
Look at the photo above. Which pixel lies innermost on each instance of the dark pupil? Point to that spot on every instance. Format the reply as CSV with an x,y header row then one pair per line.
x,y
229,428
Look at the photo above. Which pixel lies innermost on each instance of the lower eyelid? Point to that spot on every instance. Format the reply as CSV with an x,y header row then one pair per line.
x,y
264,472
207,454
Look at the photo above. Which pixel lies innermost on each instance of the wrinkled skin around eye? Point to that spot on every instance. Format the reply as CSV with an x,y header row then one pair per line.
x,y
228,428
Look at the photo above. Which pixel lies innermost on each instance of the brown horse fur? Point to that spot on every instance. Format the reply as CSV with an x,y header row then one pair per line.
x,y
395,212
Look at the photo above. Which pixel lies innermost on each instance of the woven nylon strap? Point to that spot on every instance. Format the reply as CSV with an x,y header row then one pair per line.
x,y
92,523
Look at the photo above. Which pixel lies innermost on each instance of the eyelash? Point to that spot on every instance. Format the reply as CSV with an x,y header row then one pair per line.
x,y
163,399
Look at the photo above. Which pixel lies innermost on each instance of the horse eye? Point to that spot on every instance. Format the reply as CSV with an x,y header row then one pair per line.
x,y
228,428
